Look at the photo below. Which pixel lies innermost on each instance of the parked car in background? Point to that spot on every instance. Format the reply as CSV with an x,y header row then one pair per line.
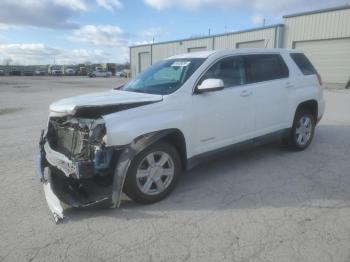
x,y
177,113
2,72
40,72
15,72
121,74
69,71
100,72
28,73
55,70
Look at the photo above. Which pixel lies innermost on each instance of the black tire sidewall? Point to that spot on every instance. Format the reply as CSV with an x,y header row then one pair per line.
x,y
130,186
293,141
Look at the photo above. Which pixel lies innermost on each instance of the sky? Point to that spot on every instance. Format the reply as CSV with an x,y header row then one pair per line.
x,y
96,31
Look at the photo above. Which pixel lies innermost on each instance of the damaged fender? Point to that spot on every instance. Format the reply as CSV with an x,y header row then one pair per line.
x,y
126,157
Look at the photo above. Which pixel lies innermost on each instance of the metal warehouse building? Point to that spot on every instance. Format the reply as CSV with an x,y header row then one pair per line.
x,y
324,36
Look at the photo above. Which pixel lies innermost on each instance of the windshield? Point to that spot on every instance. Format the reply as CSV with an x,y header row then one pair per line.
x,y
164,77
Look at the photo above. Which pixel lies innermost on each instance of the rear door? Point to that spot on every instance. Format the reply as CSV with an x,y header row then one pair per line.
x,y
268,74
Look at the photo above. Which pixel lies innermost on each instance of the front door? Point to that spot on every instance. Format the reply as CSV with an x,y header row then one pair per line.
x,y
224,117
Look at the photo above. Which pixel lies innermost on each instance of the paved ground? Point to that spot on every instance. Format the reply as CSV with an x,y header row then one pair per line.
x,y
265,204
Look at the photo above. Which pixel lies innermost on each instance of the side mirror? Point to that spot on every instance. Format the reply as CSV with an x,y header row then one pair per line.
x,y
210,85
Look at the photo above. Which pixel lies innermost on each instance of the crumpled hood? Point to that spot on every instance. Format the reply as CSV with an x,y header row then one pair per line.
x,y
68,106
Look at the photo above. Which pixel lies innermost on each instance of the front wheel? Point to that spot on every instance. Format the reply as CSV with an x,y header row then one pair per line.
x,y
302,131
153,174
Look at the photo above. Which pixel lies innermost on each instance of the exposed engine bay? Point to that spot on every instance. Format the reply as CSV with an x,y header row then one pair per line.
x,y
82,141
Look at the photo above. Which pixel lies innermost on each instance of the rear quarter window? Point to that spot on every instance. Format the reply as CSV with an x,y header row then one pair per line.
x,y
303,63
265,67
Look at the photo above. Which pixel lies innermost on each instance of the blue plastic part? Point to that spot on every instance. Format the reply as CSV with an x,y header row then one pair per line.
x,y
102,158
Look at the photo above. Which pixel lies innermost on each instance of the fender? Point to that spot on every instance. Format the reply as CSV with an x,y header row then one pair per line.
x,y
124,127
298,98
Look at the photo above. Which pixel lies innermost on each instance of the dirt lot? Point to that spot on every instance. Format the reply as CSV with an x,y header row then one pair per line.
x,y
265,204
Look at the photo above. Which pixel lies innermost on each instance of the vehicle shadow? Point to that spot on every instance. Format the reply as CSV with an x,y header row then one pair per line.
x,y
265,176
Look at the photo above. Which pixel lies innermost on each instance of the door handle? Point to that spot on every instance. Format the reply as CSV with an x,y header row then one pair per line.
x,y
245,93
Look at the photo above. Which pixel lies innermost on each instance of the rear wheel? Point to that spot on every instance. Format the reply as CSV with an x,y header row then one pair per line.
x,y
302,131
153,174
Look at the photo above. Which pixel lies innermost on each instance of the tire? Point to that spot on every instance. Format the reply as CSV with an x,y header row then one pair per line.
x,y
302,132
146,182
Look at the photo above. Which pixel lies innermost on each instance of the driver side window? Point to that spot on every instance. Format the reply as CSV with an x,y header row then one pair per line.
x,y
230,70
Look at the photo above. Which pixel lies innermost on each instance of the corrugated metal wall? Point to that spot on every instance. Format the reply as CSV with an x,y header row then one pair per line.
x,y
317,26
134,57
231,41
314,26
159,51
325,38
330,57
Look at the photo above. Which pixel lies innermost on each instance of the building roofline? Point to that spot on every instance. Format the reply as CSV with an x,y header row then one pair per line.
x,y
343,7
211,36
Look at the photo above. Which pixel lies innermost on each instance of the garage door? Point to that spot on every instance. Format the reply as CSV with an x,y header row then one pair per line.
x,y
144,61
252,44
196,49
330,57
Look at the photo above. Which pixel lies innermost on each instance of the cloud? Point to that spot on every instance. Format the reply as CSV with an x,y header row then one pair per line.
x,y
100,35
257,19
142,42
44,13
77,56
270,6
110,5
37,53
152,32
27,53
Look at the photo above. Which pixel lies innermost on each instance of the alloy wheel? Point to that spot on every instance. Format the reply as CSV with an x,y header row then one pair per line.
x,y
155,173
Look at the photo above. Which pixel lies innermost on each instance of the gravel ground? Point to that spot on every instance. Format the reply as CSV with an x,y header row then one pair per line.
x,y
265,204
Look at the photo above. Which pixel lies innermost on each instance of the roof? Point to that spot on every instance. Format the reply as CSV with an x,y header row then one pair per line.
x,y
203,54
343,7
210,36
206,54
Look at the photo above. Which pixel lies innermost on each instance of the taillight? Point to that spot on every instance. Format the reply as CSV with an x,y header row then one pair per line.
x,y
319,79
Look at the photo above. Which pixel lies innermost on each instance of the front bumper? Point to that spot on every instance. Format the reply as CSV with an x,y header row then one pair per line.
x,y
63,188
55,205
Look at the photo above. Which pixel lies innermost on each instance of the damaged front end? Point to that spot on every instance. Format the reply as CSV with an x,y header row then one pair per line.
x,y
75,166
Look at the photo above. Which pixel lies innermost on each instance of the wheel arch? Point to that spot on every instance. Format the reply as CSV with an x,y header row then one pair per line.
x,y
177,139
172,136
309,105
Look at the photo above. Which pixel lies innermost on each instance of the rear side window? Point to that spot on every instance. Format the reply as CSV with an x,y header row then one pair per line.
x,y
265,67
303,63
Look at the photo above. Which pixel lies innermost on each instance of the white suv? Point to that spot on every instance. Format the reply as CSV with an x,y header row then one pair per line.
x,y
100,72
138,139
